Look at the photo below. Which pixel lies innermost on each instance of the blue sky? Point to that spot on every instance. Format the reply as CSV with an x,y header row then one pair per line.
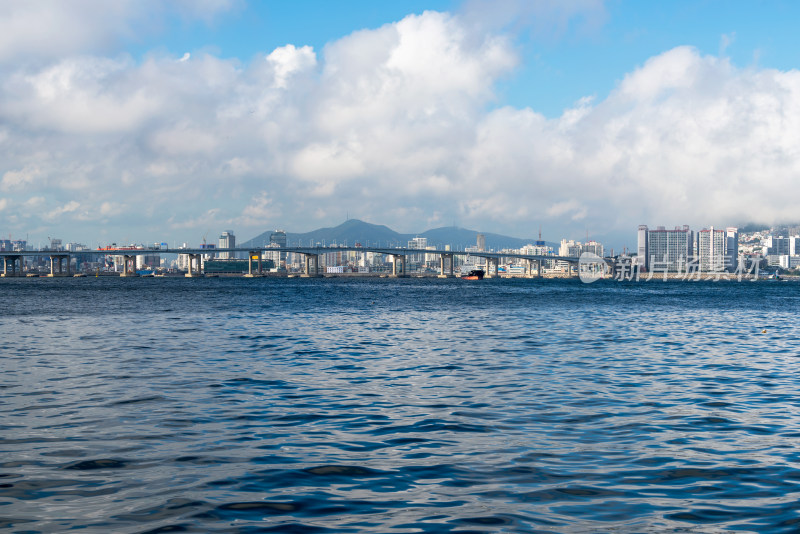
x,y
558,65
499,116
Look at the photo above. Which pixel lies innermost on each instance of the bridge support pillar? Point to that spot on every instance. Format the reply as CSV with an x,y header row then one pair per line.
x,y
12,262
250,254
129,265
401,273
309,273
488,273
199,262
444,259
57,265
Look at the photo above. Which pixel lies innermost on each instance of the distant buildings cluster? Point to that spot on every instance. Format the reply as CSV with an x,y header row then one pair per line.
x,y
778,250
659,249
675,250
713,249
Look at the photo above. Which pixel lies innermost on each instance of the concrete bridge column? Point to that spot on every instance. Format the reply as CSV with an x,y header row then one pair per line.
x,y
444,271
52,266
539,264
69,267
309,273
260,267
250,264
127,271
5,266
199,259
398,273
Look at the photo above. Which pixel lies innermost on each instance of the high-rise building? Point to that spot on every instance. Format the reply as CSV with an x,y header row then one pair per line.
x,y
481,242
664,249
669,249
594,247
778,246
418,243
570,248
642,252
278,239
227,240
731,247
713,252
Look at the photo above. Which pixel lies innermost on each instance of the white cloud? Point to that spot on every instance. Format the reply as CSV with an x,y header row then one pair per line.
x,y
19,179
288,60
34,203
53,28
109,208
70,207
394,124
259,212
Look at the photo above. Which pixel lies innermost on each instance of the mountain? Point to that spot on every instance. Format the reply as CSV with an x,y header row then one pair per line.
x,y
355,231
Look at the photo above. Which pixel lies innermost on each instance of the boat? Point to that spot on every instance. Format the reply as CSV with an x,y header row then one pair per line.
x,y
475,274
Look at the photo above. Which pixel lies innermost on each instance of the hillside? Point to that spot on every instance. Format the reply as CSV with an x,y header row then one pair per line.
x,y
355,231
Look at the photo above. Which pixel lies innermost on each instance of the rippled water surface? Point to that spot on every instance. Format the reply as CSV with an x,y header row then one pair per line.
x,y
375,405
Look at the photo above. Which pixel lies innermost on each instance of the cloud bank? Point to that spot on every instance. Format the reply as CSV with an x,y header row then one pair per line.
x,y
397,125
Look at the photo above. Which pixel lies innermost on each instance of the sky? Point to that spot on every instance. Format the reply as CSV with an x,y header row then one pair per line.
x,y
145,121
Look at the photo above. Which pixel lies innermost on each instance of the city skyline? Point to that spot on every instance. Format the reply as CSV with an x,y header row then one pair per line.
x,y
140,120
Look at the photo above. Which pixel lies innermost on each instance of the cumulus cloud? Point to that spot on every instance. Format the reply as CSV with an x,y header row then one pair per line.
x,y
70,207
19,179
400,125
32,31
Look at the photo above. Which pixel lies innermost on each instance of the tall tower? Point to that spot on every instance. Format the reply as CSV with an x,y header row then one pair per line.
x,y
481,242
642,250
278,239
227,240
731,248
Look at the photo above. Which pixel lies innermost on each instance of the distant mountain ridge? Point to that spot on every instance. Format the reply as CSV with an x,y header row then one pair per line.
x,y
367,234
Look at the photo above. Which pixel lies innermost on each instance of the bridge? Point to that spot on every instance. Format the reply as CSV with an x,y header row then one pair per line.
x,y
311,258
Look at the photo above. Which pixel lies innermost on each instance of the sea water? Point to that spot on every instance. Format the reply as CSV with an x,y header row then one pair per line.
x,y
411,405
